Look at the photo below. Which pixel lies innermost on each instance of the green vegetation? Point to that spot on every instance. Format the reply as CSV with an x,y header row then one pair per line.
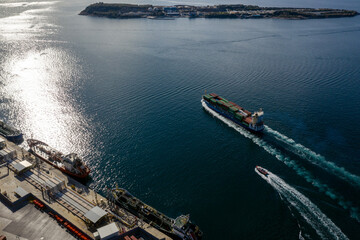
x,y
121,10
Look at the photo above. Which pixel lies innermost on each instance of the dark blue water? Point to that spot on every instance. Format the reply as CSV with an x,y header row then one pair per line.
x,y
125,94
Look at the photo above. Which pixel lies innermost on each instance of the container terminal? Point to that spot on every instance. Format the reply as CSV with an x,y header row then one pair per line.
x,y
38,201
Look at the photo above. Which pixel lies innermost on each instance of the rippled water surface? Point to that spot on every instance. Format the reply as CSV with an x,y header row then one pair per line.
x,y
125,95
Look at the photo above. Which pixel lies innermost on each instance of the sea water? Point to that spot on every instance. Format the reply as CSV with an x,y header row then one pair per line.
x,y
125,95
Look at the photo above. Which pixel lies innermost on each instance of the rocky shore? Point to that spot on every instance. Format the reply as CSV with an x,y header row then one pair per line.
x,y
120,10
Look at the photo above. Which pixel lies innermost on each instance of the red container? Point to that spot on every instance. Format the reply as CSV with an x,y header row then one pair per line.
x,y
248,120
247,112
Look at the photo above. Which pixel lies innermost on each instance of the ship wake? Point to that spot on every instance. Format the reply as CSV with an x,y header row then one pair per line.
x,y
314,158
301,171
323,226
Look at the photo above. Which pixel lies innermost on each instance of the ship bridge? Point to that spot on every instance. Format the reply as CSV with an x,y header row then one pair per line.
x,y
258,117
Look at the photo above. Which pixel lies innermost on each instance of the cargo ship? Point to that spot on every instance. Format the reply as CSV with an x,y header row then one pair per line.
x,y
262,171
180,228
251,121
70,164
10,133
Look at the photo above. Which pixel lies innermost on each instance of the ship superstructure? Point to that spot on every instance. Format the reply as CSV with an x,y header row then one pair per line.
x,y
179,228
70,164
251,121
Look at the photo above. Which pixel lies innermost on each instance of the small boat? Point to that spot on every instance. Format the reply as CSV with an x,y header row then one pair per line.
x,y
262,171
180,228
10,133
70,164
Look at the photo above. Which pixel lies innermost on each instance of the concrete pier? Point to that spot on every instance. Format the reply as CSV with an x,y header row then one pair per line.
x,y
24,178
29,223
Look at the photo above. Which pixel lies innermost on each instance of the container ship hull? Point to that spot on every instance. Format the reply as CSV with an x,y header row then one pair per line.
x,y
180,228
225,114
69,164
235,113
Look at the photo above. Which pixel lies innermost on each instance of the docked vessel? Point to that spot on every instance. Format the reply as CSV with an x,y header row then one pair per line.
x,y
179,228
10,133
262,171
251,121
70,164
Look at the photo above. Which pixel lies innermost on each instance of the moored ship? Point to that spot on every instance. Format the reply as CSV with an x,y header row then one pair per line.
x,y
70,164
10,133
180,228
251,121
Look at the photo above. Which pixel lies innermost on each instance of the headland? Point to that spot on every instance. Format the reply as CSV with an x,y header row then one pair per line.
x,y
121,10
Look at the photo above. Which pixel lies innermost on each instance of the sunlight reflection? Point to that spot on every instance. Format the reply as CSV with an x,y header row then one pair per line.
x,y
27,25
25,4
38,82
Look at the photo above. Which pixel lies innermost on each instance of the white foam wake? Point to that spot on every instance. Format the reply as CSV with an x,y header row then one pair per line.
x,y
323,226
301,171
315,158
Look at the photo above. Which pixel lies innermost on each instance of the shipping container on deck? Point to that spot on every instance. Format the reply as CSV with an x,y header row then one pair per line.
x,y
207,97
248,120
247,112
233,109
225,106
239,116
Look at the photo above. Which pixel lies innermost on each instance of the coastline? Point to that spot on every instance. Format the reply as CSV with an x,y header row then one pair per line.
x,y
124,11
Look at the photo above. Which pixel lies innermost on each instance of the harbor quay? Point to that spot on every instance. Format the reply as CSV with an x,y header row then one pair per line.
x,y
37,201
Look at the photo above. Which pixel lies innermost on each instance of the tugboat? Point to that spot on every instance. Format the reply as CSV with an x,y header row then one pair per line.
x,y
10,133
251,121
180,228
262,171
70,164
